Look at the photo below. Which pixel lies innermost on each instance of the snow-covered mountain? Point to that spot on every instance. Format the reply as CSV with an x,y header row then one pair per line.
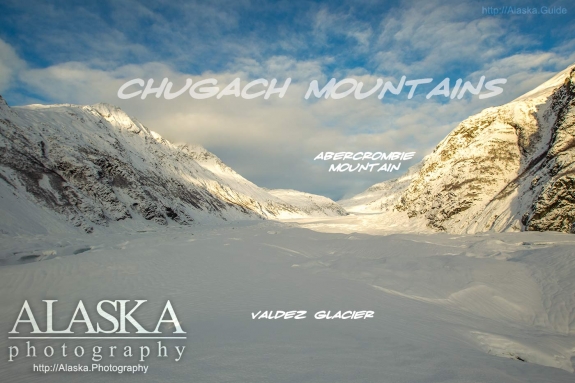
x,y
94,165
381,196
311,204
507,168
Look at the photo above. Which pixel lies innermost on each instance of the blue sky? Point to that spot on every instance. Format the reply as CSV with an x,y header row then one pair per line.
x,y
79,51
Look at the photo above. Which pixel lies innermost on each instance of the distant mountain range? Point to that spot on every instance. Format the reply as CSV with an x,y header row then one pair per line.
x,y
507,168
90,166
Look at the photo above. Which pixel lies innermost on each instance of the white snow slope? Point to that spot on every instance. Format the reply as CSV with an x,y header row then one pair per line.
x,y
382,196
507,168
94,165
312,204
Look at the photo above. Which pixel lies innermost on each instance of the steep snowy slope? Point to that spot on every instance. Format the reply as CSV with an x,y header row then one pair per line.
x,y
94,165
234,188
507,168
383,196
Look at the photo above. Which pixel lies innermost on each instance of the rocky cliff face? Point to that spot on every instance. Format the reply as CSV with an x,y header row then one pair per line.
x,y
94,165
506,168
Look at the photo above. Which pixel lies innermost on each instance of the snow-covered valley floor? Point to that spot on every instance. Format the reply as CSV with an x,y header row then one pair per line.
x,y
448,308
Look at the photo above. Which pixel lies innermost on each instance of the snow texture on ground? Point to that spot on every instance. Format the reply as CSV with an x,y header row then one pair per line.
x,y
448,308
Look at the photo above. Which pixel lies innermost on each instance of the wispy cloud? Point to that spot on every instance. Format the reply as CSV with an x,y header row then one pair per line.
x,y
10,65
82,53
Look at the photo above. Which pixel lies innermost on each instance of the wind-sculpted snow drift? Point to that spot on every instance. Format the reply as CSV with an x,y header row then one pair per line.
x,y
95,165
508,168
